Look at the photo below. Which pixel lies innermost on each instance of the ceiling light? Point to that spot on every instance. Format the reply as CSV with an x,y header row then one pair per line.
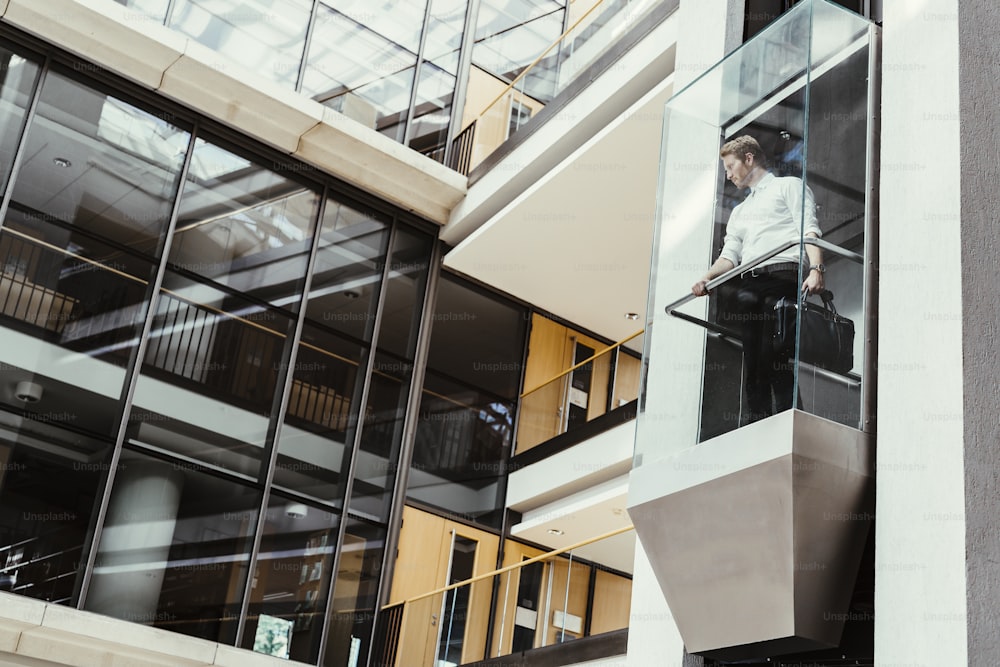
x,y
61,162
351,294
631,316
555,531
28,392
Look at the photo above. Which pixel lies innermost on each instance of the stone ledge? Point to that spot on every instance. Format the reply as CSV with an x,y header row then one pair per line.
x,y
34,630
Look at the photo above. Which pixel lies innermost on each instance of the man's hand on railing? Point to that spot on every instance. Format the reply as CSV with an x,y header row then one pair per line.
x,y
700,288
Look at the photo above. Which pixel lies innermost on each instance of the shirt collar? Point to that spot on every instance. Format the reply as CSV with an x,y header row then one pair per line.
x,y
762,183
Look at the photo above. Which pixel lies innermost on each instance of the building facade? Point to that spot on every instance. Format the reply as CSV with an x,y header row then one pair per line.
x,y
318,371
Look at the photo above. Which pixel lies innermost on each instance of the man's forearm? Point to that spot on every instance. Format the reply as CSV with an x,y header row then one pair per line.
x,y
813,252
720,266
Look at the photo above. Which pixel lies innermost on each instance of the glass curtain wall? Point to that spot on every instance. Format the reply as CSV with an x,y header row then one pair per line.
x,y
467,408
207,357
392,65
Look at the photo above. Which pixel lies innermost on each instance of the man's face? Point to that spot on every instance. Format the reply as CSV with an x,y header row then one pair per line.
x,y
738,170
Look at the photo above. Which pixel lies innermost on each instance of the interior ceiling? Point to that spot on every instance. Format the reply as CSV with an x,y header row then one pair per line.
x,y
577,244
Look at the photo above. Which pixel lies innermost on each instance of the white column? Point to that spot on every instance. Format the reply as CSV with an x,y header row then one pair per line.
x,y
135,544
707,31
920,580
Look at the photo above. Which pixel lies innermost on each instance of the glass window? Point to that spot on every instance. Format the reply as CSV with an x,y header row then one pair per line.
x,y
404,292
244,226
355,594
512,33
361,60
266,36
19,76
175,548
79,248
49,483
291,581
317,437
468,402
218,350
438,72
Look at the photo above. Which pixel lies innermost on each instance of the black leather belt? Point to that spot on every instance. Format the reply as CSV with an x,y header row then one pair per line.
x,y
768,269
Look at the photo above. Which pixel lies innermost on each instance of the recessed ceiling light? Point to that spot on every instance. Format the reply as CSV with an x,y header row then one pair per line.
x,y
555,531
61,162
631,316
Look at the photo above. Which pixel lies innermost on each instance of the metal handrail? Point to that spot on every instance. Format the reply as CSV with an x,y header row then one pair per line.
x,y
586,361
515,566
746,266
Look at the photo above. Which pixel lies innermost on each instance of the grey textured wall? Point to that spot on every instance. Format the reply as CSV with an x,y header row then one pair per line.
x,y
979,25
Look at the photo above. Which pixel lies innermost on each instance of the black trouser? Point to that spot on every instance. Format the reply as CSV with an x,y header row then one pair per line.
x,y
768,376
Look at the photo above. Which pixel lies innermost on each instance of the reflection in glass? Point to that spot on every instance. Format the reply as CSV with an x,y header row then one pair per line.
x,y
381,436
512,33
404,292
19,79
175,549
266,37
462,443
244,226
78,249
355,594
291,581
212,367
348,271
321,419
362,62
438,72
49,479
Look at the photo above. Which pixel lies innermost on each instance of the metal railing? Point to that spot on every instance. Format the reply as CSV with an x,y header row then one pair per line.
x,y
588,389
552,71
542,600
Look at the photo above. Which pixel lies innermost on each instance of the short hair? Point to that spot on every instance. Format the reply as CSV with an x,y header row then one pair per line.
x,y
740,146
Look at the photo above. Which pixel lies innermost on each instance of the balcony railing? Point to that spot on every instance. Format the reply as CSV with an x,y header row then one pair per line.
x,y
548,75
541,601
588,389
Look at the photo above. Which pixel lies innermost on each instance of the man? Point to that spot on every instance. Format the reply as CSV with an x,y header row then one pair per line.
x,y
770,216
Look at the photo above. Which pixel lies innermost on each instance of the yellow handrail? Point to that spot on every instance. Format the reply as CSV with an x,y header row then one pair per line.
x,y
539,58
515,566
583,363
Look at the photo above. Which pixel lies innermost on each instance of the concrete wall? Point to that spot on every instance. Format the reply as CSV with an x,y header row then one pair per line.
x,y
979,53
920,578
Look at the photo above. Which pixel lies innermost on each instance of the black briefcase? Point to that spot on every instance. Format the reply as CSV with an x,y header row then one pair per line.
x,y
827,338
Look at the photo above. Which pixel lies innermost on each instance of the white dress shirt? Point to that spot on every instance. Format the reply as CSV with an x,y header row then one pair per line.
x,y
770,216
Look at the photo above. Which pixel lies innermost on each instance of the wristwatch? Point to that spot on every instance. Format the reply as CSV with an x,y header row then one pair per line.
x,y
819,267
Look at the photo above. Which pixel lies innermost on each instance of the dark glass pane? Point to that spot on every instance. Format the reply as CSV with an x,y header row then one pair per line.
x,y
291,581
244,226
100,165
404,292
78,249
49,481
462,443
321,419
212,367
265,36
17,77
348,271
381,435
175,549
477,338
355,594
